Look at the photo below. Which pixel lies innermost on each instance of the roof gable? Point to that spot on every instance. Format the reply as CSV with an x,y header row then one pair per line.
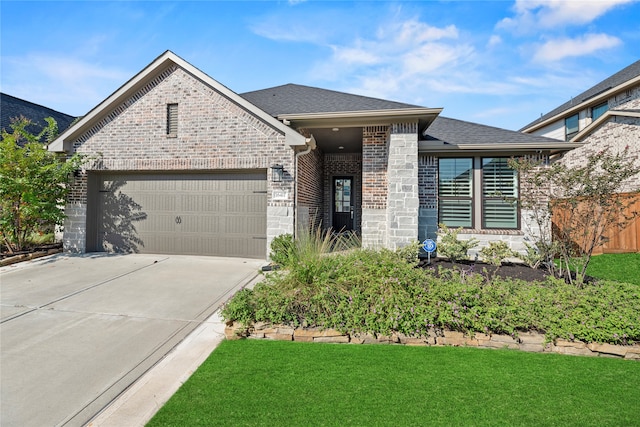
x,y
145,78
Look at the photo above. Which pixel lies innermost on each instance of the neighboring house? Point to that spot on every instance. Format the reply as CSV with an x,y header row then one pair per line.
x,y
604,116
181,164
12,108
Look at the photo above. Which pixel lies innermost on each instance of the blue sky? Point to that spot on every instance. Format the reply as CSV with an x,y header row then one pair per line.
x,y
501,63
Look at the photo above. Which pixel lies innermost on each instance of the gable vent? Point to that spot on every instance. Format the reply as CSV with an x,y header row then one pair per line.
x,y
172,119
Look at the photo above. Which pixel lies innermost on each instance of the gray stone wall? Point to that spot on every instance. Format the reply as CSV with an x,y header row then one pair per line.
x,y
214,133
402,180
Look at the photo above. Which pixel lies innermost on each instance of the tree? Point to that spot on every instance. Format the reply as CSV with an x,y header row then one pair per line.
x,y
573,207
33,183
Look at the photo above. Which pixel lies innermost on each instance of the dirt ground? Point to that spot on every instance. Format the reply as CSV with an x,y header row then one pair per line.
x,y
514,271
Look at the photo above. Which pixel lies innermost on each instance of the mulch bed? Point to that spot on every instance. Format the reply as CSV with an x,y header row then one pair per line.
x,y
508,270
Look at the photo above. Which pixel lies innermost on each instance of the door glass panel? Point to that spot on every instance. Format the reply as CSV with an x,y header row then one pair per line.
x,y
342,195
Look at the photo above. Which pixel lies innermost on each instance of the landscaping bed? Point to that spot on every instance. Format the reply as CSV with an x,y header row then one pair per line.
x,y
383,293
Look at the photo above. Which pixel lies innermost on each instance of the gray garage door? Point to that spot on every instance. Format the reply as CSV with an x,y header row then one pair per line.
x,y
221,214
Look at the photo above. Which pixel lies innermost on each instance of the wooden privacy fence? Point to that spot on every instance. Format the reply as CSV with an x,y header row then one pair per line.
x,y
617,239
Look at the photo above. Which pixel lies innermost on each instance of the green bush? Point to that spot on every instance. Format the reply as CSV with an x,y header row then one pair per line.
x,y
449,246
379,292
282,249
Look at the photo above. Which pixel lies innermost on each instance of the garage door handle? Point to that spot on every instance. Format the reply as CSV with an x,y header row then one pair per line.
x,y
178,220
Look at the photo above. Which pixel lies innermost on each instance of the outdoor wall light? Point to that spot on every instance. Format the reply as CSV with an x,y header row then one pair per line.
x,y
277,173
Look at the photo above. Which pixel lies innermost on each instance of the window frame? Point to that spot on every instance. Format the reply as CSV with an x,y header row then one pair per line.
x,y
483,197
477,197
570,132
470,197
598,108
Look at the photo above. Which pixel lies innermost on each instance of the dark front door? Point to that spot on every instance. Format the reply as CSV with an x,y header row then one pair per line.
x,y
343,203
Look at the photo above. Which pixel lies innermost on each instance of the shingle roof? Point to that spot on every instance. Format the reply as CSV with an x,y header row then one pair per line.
x,y
298,99
618,78
12,107
458,132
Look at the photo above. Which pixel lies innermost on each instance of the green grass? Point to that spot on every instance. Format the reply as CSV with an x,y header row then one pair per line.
x,y
303,384
619,267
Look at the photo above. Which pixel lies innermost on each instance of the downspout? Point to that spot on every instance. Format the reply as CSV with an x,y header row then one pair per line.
x,y
311,145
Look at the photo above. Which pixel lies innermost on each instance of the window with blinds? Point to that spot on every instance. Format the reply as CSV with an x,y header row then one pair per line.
x,y
455,191
172,119
499,194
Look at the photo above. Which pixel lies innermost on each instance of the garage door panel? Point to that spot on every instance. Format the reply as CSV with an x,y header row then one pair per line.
x,y
206,214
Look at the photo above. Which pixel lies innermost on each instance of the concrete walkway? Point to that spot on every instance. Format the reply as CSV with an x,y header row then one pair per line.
x,y
78,331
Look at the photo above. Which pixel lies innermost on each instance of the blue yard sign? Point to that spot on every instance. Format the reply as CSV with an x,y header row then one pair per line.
x,y
429,246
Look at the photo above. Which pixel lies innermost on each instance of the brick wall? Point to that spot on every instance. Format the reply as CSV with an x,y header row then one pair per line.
x,y
374,166
617,134
213,133
310,189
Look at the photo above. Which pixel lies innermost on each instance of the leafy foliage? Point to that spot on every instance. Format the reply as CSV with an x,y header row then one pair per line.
x,y
577,204
32,183
379,292
451,247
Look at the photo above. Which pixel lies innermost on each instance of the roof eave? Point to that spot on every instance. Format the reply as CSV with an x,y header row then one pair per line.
x,y
65,140
443,147
362,118
578,107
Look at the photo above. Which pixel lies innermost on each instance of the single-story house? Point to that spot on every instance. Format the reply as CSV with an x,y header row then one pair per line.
x,y
181,164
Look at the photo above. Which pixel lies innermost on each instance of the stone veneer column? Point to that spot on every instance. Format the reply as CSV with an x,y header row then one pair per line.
x,y
402,180
374,186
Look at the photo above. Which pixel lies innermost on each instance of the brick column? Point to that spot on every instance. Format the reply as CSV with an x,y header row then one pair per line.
x,y
374,186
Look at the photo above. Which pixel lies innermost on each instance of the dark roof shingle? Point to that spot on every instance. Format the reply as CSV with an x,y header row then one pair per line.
x,y
298,99
12,107
458,132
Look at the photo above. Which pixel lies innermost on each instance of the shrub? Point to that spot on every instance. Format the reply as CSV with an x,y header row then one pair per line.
x,y
282,249
496,253
451,247
379,292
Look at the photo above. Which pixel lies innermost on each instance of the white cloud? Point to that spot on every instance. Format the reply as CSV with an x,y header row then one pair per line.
x,y
355,55
533,15
555,50
59,81
494,40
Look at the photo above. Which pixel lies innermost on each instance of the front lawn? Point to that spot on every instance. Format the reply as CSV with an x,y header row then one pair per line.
x,y
302,384
619,267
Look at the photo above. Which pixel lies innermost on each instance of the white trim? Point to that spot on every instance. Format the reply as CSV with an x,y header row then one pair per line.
x,y
441,146
593,126
598,99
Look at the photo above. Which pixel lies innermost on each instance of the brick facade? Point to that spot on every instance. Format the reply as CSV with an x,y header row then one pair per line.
x,y
310,189
214,133
617,134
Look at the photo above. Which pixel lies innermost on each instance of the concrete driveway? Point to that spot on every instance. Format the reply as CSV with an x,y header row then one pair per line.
x,y
76,331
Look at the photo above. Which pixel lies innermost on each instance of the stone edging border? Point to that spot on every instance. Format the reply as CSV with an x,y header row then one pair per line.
x,y
530,341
